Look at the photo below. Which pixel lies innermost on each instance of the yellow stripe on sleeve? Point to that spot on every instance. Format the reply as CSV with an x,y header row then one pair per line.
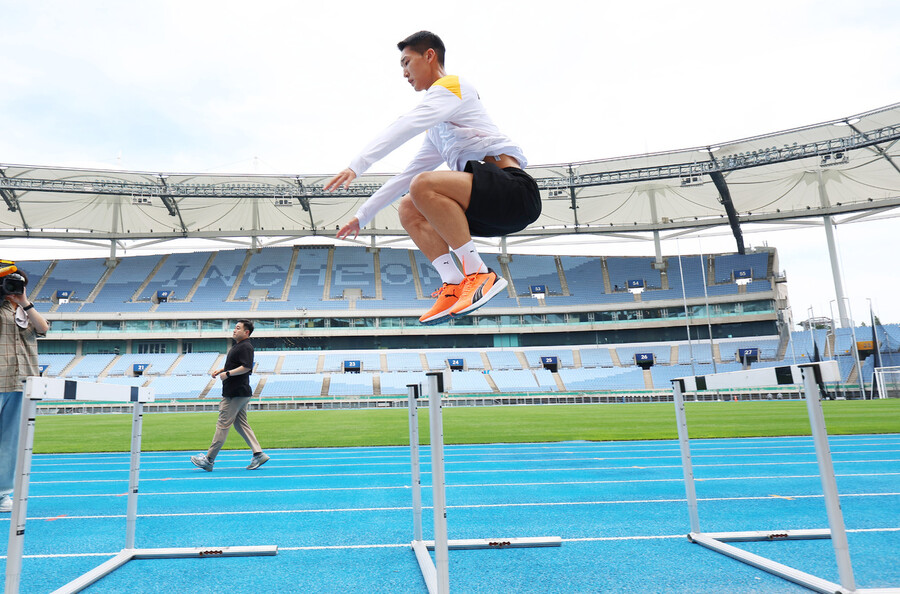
x,y
451,83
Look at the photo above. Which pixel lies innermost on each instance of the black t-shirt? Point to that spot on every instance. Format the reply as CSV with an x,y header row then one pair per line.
x,y
241,354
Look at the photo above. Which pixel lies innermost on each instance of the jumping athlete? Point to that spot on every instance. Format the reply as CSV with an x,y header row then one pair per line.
x,y
486,193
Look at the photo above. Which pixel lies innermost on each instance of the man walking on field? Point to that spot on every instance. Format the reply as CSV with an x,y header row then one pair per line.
x,y
486,193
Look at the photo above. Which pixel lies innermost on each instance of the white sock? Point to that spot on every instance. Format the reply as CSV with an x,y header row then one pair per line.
x,y
448,269
471,261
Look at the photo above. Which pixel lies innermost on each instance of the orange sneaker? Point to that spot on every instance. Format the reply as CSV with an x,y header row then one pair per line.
x,y
447,297
477,290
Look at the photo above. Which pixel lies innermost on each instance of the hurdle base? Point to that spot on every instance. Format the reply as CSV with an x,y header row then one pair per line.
x,y
783,571
126,555
426,563
499,543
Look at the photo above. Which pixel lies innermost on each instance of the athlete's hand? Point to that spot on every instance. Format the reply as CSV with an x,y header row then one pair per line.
x,y
351,227
341,180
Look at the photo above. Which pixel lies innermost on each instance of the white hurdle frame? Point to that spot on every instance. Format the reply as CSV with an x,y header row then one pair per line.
x,y
40,388
810,376
436,572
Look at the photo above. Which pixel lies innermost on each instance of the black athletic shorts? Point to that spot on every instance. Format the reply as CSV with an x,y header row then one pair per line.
x,y
503,200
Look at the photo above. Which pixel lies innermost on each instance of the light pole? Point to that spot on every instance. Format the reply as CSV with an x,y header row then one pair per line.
x,y
854,350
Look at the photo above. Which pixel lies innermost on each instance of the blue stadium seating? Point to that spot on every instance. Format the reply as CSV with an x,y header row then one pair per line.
x,y
602,378
216,390
515,380
80,276
370,360
564,356
307,385
503,360
350,384
56,362
178,274
662,354
196,364
267,270
725,264
300,363
159,363
621,270
528,270
469,382
699,350
122,283
265,362
352,268
398,287
90,365
185,386
394,383
403,361
437,360
595,357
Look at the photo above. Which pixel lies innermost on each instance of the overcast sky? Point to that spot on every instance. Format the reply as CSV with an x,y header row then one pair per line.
x,y
298,88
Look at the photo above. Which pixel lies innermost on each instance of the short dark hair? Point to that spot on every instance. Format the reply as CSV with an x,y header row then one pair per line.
x,y
423,41
247,324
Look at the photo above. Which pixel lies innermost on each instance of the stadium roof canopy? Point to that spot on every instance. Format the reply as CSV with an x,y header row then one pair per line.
x,y
848,167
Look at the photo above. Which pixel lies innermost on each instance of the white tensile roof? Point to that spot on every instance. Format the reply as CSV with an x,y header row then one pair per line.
x,y
842,167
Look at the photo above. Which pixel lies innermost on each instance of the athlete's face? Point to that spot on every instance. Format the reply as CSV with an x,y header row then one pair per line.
x,y
418,68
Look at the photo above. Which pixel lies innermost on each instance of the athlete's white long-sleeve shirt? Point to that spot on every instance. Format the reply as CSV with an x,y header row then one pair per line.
x,y
458,130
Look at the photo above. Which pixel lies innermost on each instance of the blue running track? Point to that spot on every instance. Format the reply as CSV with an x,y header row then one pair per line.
x,y
342,518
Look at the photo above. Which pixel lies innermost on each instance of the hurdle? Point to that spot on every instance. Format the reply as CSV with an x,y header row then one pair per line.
x,y
436,572
810,375
39,388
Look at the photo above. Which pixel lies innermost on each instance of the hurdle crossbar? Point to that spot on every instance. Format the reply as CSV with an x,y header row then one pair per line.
x,y
40,388
810,375
436,572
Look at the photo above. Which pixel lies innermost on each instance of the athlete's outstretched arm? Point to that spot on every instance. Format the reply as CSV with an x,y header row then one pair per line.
x,y
341,180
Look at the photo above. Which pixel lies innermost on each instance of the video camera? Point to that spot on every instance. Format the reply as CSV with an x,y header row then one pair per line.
x,y
11,282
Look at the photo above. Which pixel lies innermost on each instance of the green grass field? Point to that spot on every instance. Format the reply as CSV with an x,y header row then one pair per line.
x,y
370,427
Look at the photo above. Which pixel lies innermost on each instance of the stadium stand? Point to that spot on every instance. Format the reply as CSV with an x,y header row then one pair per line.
x,y
196,364
56,363
565,357
350,384
662,354
289,386
216,390
121,285
469,382
403,361
696,351
515,380
265,362
527,270
622,270
266,271
596,357
185,386
90,366
504,360
178,274
159,363
394,383
398,288
300,363
437,360
353,268
369,361
726,264
78,276
602,378
768,347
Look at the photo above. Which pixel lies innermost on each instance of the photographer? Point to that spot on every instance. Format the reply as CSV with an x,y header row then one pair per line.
x,y
20,325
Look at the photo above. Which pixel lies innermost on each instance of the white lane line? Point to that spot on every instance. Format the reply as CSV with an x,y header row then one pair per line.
x,y
427,464
123,458
468,506
242,477
406,545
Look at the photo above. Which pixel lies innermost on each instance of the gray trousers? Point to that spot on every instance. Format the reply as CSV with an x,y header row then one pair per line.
x,y
232,411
